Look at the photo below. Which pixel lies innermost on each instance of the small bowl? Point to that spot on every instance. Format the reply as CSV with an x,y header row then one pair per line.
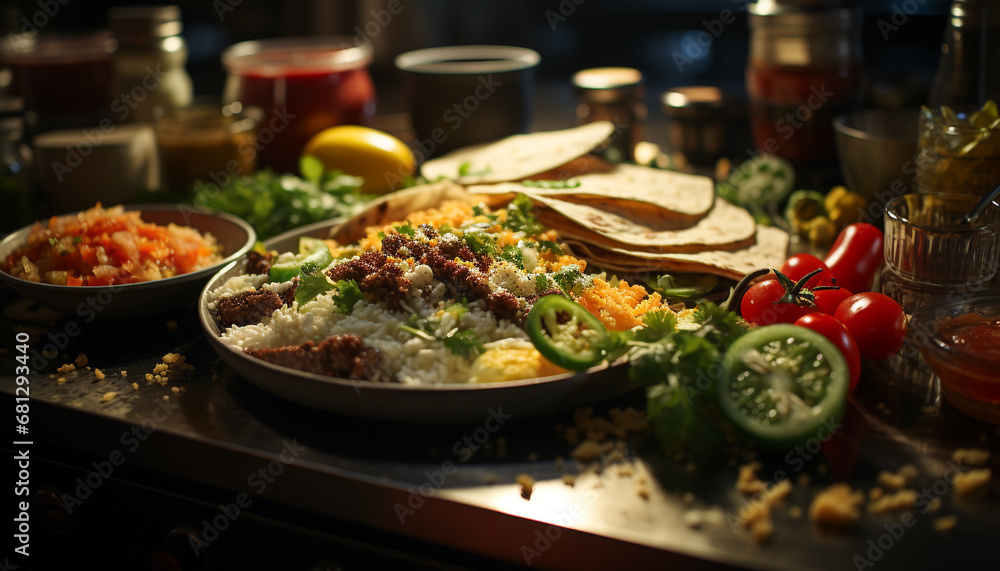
x,y
968,374
876,149
234,235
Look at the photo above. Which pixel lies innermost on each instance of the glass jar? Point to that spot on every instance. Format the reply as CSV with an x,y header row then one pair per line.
x,y
15,168
968,72
929,256
804,69
304,86
206,142
957,154
149,63
612,94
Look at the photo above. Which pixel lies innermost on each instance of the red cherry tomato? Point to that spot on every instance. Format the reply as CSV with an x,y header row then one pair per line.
x,y
828,326
876,322
799,265
759,304
828,300
855,255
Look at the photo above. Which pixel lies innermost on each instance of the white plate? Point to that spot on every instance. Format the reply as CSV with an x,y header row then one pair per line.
x,y
408,403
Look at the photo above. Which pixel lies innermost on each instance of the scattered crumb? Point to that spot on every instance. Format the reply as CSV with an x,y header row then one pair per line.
x,y
759,507
124,373
643,493
527,484
945,524
135,386
795,512
971,456
175,390
81,360
589,450
99,374
171,326
61,380
569,480
166,398
837,505
109,396
762,530
626,471
898,480
66,368
972,480
875,493
934,505
747,481
893,501
149,377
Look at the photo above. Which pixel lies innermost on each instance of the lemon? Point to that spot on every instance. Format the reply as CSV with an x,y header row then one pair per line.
x,y
381,159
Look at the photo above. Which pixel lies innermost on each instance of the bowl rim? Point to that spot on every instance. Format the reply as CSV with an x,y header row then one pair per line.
x,y
21,234
427,61
840,124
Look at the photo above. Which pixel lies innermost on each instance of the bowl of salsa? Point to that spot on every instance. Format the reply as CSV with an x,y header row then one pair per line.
x,y
959,339
304,85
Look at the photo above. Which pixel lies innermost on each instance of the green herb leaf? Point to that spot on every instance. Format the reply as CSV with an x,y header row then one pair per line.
x,y
520,217
310,286
514,255
570,279
481,243
551,184
550,246
541,283
407,230
463,343
657,324
348,294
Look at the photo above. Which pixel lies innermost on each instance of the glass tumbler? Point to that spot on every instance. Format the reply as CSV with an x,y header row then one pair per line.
x,y
957,152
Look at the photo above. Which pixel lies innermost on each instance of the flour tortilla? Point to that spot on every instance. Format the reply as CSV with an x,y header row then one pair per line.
x,y
670,195
725,227
518,156
769,251
397,206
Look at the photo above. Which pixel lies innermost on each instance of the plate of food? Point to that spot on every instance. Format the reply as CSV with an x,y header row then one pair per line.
x,y
123,261
420,308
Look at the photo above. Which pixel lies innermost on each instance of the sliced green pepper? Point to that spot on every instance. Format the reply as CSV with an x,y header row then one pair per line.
x,y
311,251
566,333
683,286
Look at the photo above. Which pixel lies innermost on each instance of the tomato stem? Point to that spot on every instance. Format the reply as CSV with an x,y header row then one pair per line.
x,y
736,296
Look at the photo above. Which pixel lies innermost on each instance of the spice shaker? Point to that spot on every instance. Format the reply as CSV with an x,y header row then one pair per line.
x,y
149,63
613,94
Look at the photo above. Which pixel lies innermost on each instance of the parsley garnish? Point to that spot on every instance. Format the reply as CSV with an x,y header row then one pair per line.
x,y
348,294
514,255
406,230
570,279
481,243
520,217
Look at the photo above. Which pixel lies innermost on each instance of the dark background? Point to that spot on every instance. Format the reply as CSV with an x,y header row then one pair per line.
x,y
570,35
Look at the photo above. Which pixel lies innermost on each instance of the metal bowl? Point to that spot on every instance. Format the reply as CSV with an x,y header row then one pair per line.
x,y
877,151
234,235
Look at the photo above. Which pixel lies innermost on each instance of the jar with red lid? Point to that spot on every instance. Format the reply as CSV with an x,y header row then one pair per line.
x,y
304,86
804,69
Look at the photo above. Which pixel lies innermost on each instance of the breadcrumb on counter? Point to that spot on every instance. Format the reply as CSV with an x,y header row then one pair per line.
x,y
971,456
527,484
972,480
945,524
837,505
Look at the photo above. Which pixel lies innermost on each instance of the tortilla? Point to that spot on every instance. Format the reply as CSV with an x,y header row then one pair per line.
x,y
769,251
518,156
672,195
725,227
397,206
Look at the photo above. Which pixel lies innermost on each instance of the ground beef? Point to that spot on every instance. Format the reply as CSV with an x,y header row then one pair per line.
x,y
257,263
338,356
429,231
461,280
375,277
250,307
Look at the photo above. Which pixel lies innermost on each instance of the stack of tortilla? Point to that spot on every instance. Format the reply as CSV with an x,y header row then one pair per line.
x,y
624,217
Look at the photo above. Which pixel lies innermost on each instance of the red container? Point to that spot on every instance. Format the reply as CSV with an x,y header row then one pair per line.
x,y
304,86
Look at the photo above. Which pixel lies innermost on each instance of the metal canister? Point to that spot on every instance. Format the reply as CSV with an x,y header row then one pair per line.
x,y
805,67
613,94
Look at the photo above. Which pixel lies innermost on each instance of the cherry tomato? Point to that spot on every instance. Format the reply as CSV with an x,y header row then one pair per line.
x,y
828,300
828,326
876,322
759,304
799,265
855,255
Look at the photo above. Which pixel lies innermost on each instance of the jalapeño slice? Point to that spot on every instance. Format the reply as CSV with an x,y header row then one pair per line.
x,y
566,333
311,251
784,385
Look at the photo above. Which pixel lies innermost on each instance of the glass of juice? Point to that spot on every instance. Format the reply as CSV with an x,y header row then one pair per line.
x,y
304,86
958,150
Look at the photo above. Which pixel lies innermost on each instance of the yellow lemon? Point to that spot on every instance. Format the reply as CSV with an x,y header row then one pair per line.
x,y
381,159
